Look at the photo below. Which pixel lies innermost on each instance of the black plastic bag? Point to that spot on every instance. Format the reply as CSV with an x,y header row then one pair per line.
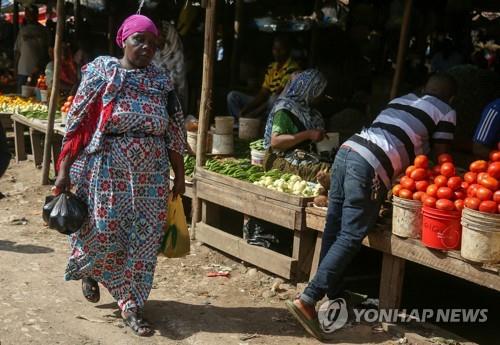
x,y
257,233
64,213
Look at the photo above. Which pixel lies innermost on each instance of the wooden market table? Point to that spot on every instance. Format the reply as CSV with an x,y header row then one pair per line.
x,y
396,251
37,129
218,193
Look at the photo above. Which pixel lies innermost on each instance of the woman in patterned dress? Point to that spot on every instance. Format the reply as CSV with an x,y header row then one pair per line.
x,y
124,128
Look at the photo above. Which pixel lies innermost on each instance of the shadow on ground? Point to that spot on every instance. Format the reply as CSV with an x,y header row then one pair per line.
x,y
178,321
10,246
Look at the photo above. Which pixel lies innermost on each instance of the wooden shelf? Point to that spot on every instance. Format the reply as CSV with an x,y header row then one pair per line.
x,y
410,249
266,259
275,207
243,186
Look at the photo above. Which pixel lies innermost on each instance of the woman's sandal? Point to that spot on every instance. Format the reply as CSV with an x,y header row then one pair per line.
x,y
90,289
138,325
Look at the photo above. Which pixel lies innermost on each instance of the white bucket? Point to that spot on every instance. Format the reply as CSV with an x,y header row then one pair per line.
x,y
192,138
64,117
480,236
192,141
249,128
257,157
27,91
406,217
44,95
223,144
224,124
330,142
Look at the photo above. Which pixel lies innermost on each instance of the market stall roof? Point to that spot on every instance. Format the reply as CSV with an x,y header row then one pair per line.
x,y
42,15
98,5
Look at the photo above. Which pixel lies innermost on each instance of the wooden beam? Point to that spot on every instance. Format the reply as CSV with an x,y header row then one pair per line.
x,y
15,19
207,82
206,99
403,43
78,20
235,54
391,281
264,258
54,93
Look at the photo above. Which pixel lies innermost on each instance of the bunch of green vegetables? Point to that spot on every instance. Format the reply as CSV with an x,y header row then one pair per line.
x,y
240,169
38,114
288,183
257,145
189,163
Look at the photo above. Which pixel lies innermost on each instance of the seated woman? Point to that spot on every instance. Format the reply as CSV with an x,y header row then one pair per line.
x,y
294,125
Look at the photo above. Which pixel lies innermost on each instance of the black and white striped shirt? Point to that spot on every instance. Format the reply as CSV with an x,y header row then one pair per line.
x,y
403,130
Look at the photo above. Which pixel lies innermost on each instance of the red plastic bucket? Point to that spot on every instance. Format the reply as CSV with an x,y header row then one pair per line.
x,y
441,229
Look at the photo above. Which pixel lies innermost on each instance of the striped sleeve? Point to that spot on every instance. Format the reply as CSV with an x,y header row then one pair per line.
x,y
488,129
445,128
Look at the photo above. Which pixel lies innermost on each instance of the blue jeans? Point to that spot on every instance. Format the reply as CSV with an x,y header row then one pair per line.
x,y
236,101
355,197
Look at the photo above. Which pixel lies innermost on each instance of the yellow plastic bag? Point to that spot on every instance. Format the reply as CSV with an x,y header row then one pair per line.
x,y
176,242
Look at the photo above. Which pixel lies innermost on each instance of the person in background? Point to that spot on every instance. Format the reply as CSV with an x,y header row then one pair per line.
x,y
277,76
293,120
362,173
171,57
487,133
6,35
81,57
125,128
4,154
30,48
68,69
446,57
294,124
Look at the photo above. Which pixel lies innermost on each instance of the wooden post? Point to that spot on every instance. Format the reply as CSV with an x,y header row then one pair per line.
x,y
206,99
54,95
391,281
315,33
15,19
235,55
77,14
403,43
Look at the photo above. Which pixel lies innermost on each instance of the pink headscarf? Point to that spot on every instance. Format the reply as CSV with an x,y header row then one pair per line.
x,y
131,25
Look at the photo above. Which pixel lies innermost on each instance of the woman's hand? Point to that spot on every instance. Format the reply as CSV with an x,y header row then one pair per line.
x,y
316,135
179,187
63,182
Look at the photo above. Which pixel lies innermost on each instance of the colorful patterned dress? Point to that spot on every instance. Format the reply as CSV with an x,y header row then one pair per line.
x,y
123,176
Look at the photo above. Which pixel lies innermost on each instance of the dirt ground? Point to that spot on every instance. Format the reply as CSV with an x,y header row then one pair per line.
x,y
185,307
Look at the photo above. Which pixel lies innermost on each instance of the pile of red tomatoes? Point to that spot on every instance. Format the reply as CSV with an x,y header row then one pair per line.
x,y
440,187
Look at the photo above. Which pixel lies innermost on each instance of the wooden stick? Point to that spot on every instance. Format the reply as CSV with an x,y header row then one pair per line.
x,y
15,19
206,99
235,55
77,13
54,96
403,43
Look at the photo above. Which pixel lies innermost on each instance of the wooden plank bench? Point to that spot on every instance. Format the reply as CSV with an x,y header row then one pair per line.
x,y
397,250
37,129
217,192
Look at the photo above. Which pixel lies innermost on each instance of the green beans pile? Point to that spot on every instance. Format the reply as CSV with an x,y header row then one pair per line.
x,y
240,169
257,145
189,163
